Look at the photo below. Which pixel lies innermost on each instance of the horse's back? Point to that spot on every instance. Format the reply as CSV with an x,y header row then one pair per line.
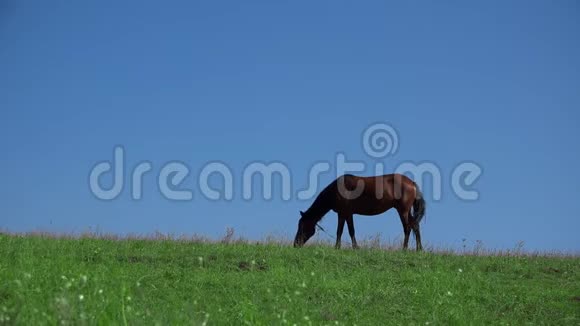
x,y
370,182
379,193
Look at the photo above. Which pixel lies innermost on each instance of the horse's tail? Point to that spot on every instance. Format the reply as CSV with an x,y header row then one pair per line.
x,y
418,206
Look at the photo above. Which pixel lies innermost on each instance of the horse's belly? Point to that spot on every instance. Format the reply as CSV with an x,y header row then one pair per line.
x,y
370,208
369,211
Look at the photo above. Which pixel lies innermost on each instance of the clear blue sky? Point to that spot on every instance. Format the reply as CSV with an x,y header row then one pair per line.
x,y
493,82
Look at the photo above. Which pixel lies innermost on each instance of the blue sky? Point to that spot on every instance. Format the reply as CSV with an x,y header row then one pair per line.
x,y
493,82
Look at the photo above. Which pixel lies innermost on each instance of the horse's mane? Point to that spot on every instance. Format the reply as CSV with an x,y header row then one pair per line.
x,y
322,204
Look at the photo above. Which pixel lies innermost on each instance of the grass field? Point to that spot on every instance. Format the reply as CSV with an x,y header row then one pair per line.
x,y
46,280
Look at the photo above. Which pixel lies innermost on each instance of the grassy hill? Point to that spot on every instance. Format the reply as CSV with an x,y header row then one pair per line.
x,y
47,280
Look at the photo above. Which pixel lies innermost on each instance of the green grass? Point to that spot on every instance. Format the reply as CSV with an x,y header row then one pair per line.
x,y
47,280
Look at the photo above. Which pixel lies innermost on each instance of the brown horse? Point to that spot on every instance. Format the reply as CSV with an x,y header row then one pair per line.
x,y
351,194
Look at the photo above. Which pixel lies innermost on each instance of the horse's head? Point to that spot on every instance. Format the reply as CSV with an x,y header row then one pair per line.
x,y
306,229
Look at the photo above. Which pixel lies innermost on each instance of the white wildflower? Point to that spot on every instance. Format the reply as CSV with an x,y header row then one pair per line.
x,y
206,319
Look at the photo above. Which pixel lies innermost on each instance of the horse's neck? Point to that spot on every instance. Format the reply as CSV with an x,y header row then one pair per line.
x,y
320,207
317,213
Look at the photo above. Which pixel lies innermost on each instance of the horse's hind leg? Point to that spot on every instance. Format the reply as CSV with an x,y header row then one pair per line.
x,y
417,233
350,222
404,215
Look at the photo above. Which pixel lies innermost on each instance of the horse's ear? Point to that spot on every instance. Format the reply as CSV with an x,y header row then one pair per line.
x,y
301,214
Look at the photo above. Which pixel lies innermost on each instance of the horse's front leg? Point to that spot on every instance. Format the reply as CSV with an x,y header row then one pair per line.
x,y
339,230
350,222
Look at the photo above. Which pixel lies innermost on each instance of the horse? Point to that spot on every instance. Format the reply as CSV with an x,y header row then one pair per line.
x,y
374,195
